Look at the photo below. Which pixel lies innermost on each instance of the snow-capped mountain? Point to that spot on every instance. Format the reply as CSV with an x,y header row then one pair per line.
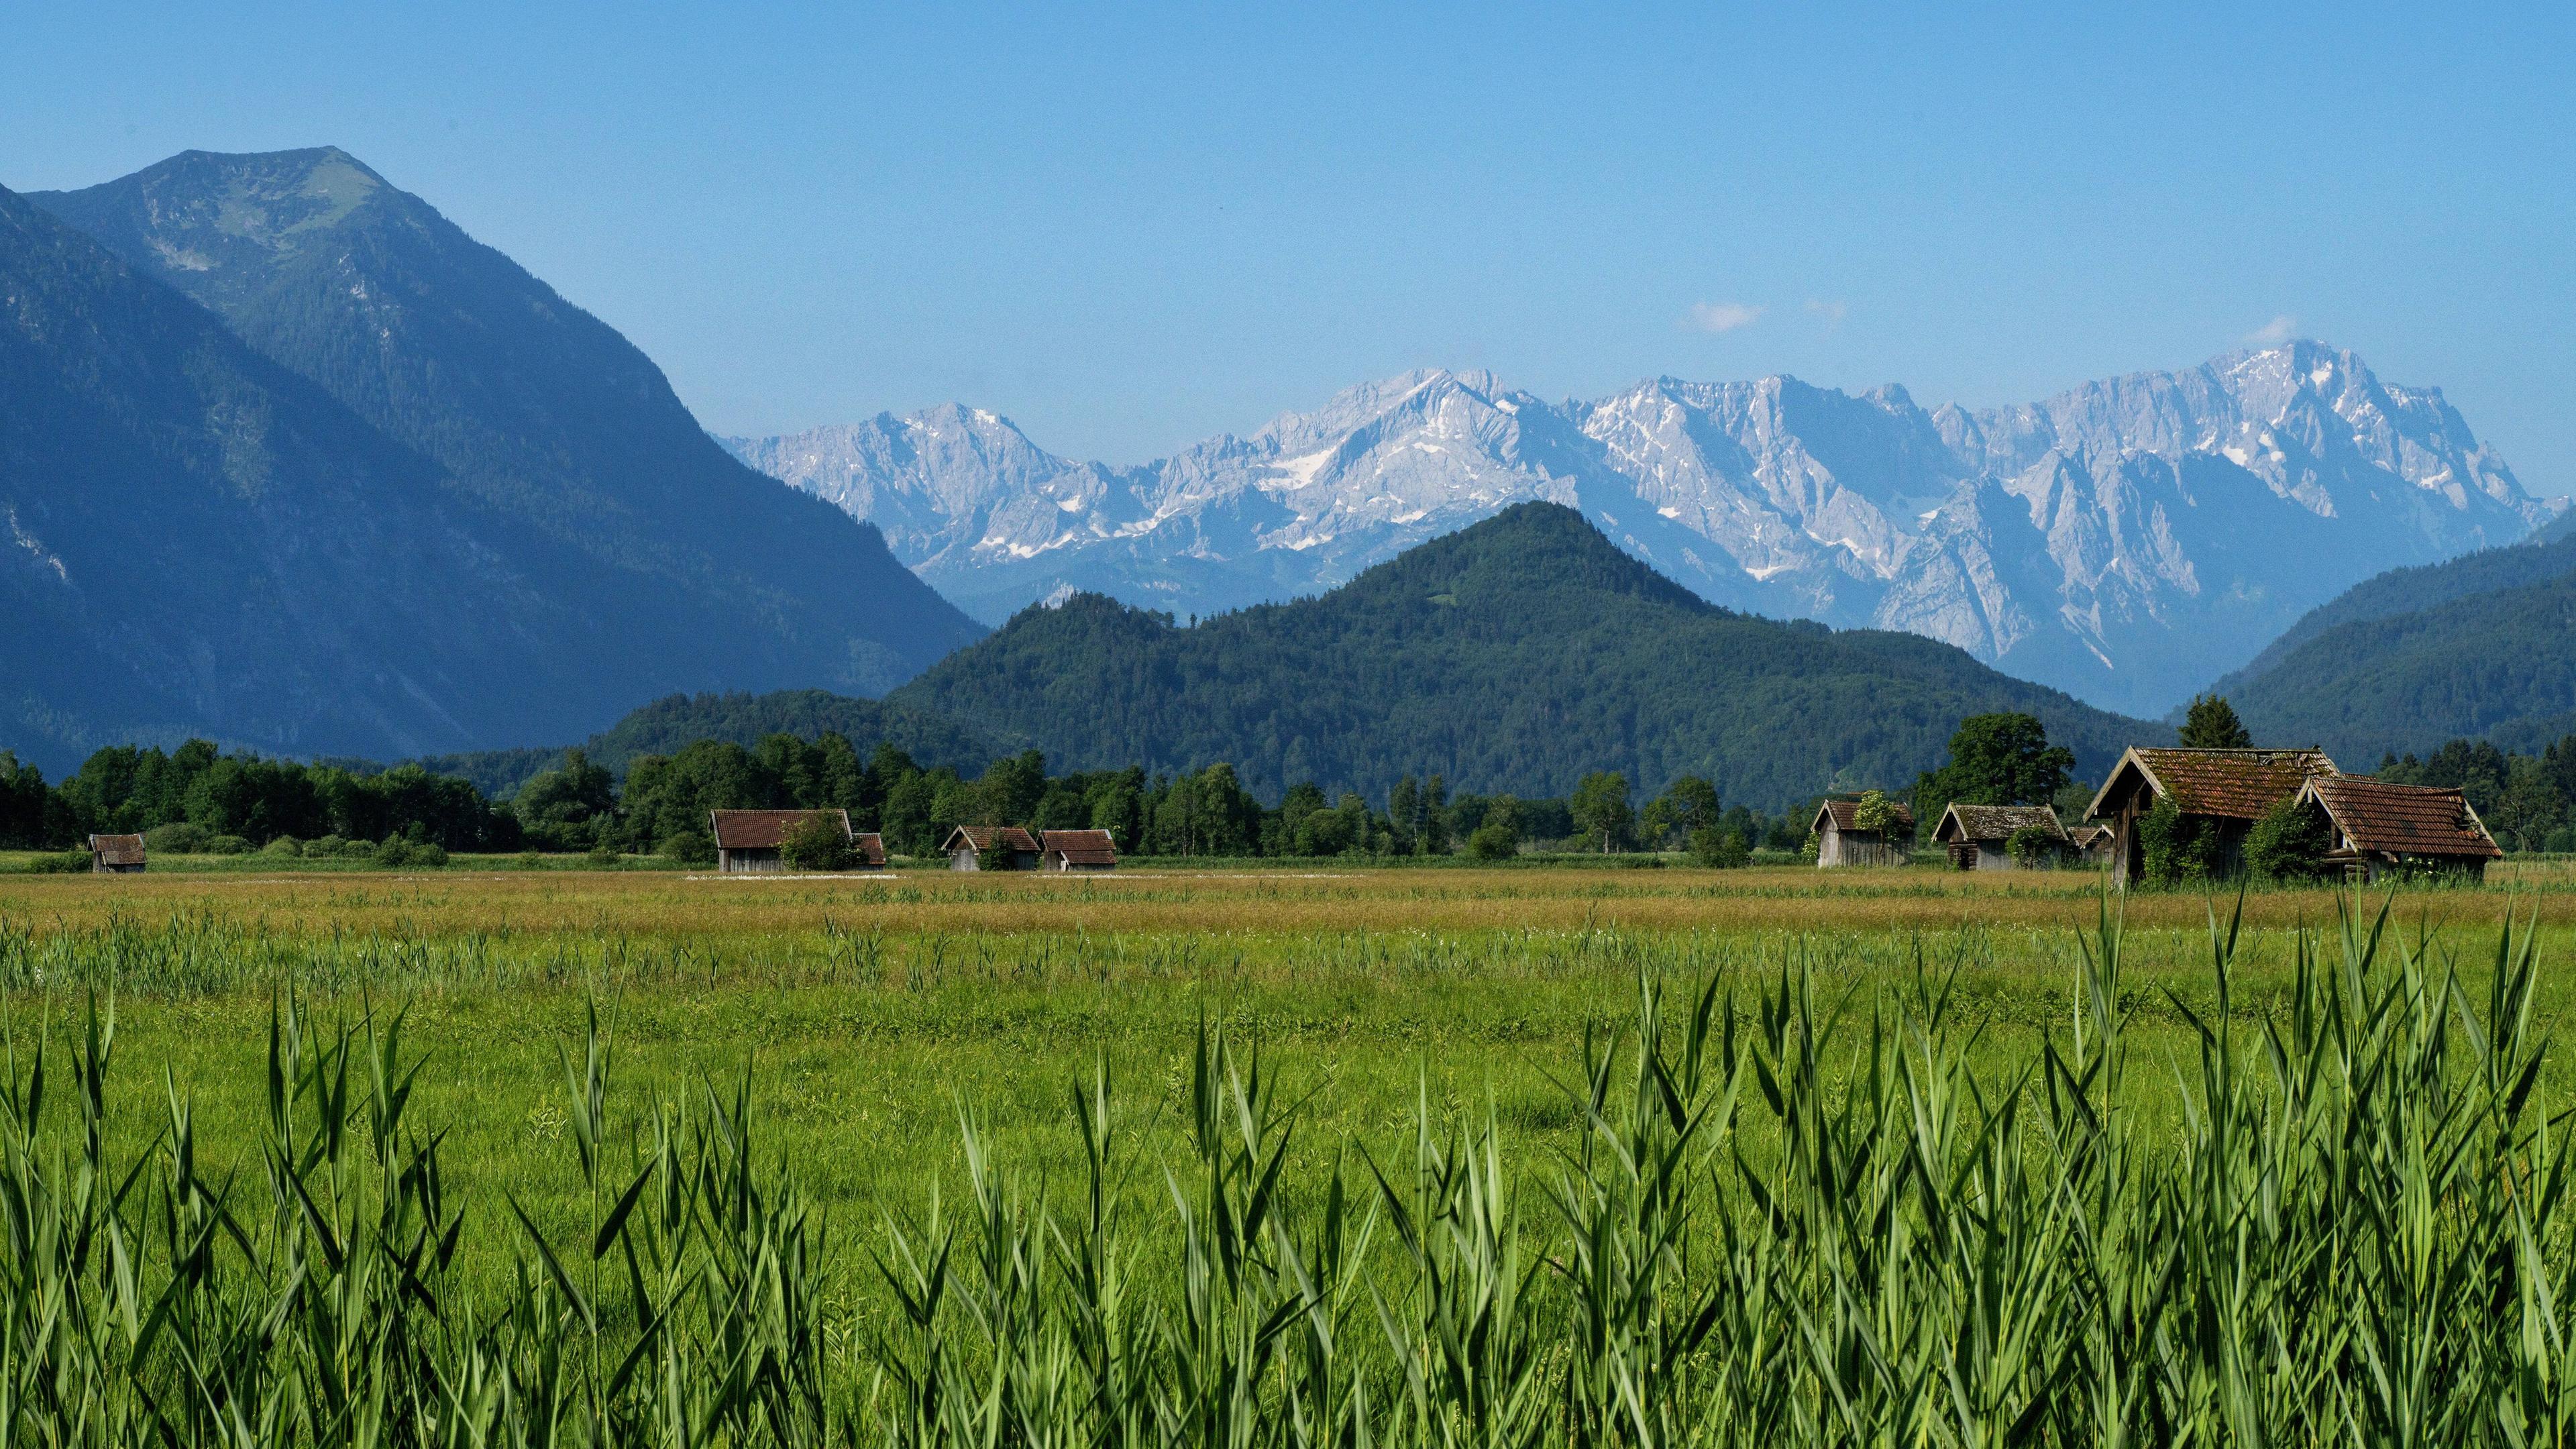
x,y
2126,541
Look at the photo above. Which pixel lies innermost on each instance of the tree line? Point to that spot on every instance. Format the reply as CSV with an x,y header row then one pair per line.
x,y
197,798
2527,801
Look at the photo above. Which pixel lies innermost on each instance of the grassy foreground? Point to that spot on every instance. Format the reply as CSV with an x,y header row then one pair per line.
x,y
1892,1161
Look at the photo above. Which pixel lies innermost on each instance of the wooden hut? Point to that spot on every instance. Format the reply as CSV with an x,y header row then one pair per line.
x,y
870,849
1841,841
1976,835
991,847
2221,790
1063,850
2092,842
116,854
747,841
2379,827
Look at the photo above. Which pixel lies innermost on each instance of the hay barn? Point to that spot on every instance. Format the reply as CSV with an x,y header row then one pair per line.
x,y
1841,841
1976,836
747,841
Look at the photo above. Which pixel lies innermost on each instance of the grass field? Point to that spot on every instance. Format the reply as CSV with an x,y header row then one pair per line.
x,y
862,1015
868,1008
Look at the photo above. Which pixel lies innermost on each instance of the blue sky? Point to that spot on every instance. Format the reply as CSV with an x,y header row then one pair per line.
x,y
1131,228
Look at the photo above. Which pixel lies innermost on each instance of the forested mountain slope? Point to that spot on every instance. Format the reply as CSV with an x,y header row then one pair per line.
x,y
2410,590
665,725
2497,666
695,571
1515,655
194,540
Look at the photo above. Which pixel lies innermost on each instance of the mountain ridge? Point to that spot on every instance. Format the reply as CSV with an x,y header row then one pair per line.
x,y
2102,541
177,504
535,409
2480,647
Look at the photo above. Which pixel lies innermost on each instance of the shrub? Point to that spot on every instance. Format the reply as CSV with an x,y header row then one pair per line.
x,y
602,855
394,851
688,847
1719,849
429,856
65,862
817,842
2032,845
179,837
284,845
1493,842
2289,843
222,845
2173,850
1878,814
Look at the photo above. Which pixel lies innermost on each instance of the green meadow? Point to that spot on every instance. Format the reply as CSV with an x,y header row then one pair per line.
x,y
925,1064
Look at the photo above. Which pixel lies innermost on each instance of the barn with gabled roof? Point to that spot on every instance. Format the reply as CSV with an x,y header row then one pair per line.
x,y
1068,850
2220,791
1977,836
2381,827
991,847
747,841
1841,841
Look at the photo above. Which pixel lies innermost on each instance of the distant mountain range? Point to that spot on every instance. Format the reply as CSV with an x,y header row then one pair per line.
x,y
2482,647
2124,541
1517,655
288,460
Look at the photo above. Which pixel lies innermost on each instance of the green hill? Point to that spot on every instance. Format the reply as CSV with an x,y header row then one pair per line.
x,y
1515,655
665,725
2550,554
2498,665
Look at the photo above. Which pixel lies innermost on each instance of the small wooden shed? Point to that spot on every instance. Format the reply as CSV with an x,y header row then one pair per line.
x,y
2092,841
991,847
1841,841
747,841
1976,835
116,854
2379,827
2221,790
1062,850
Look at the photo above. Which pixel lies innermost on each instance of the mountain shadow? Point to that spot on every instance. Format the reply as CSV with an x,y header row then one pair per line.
x,y
693,570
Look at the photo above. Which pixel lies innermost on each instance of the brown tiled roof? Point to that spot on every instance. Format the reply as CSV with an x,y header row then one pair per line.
x,y
117,849
2236,784
871,848
2381,818
1994,822
764,829
994,837
1081,847
1846,814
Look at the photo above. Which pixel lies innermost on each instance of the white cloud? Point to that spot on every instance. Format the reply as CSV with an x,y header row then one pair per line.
x,y
1833,312
2275,332
1721,316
